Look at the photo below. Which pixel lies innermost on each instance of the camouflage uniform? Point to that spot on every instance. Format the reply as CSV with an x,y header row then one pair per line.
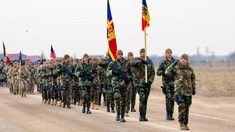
x,y
32,70
46,75
118,71
168,87
140,83
109,94
95,85
2,75
15,82
129,89
57,84
23,81
66,80
185,88
84,72
104,62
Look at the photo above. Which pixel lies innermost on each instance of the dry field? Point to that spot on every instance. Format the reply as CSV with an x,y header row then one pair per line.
x,y
212,78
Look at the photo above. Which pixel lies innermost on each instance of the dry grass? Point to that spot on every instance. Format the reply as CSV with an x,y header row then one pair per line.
x,y
212,78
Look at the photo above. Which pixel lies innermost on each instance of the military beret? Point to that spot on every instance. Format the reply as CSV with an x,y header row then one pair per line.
x,y
168,50
85,55
184,56
119,52
130,54
66,56
142,50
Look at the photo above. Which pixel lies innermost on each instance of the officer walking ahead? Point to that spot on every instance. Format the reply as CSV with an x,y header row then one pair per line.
x,y
185,88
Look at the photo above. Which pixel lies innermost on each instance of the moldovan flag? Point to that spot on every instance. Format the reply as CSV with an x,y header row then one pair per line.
x,y
5,54
145,15
53,56
111,35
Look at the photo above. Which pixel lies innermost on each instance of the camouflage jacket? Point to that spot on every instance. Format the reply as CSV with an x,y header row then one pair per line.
x,y
184,78
104,62
66,75
24,75
139,71
96,73
84,79
47,76
160,72
118,81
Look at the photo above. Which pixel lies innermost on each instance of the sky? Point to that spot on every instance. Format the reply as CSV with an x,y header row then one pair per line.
x,y
76,27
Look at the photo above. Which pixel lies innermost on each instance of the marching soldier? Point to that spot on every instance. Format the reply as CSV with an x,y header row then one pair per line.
x,y
23,80
84,72
185,87
118,71
168,83
130,91
140,83
67,79
76,89
104,62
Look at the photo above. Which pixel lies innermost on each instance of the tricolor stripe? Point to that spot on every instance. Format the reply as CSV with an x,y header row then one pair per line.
x,y
145,15
111,35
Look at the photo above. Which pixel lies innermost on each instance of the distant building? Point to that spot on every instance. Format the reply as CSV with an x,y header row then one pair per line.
x,y
14,57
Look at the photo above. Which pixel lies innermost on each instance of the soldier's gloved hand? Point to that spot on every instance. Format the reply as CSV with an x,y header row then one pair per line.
x,y
63,69
144,62
127,80
90,78
148,84
82,73
115,72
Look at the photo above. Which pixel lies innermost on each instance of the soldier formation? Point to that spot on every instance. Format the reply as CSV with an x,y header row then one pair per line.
x,y
84,82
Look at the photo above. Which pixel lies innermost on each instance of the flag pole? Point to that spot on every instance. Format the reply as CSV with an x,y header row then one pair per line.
x,y
145,57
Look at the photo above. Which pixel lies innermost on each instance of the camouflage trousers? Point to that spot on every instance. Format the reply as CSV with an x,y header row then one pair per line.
x,y
104,91
120,94
23,88
110,96
128,99
133,97
31,86
184,109
143,98
76,94
95,94
170,99
44,91
86,93
66,93
15,87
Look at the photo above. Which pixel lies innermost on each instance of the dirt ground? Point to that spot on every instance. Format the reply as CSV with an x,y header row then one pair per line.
x,y
30,115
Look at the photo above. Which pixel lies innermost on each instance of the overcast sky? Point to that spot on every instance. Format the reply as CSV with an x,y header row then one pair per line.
x,y
79,26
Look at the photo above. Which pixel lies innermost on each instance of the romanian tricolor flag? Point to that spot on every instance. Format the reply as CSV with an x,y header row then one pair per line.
x,y
5,54
111,36
145,15
53,56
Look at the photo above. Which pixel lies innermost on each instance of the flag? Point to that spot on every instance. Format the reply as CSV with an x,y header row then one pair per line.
x,y
20,58
5,54
111,35
145,15
53,56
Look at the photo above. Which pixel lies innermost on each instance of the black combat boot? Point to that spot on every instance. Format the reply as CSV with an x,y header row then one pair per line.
x,y
63,105
83,108
141,117
133,110
113,111
122,118
118,116
171,116
144,117
108,108
168,116
88,109
68,106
